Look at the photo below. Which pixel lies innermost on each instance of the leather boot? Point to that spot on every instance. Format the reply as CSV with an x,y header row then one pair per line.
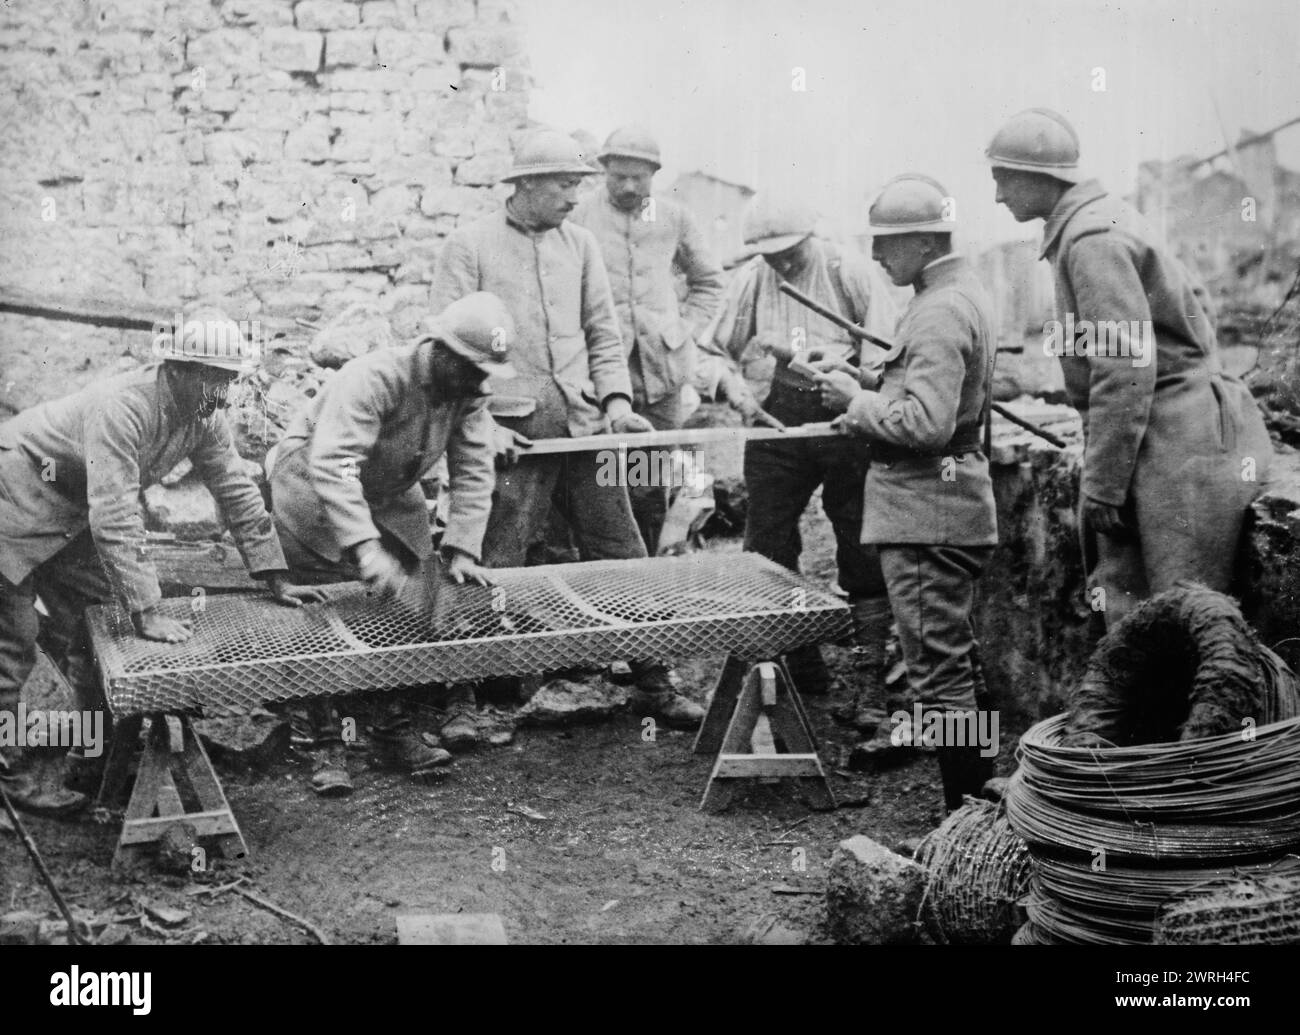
x,y
963,771
32,778
459,731
657,695
871,623
402,749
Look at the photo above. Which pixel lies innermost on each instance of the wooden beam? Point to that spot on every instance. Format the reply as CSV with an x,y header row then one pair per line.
x,y
675,437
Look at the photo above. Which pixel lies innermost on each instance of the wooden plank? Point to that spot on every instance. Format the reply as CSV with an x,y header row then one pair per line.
x,y
169,798
208,789
736,766
749,706
674,437
721,704
205,824
117,767
450,929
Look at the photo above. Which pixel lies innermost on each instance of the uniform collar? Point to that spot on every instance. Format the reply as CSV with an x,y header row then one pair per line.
x,y
518,224
940,271
1071,201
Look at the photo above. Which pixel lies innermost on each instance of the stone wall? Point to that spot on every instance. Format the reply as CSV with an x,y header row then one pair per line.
x,y
281,158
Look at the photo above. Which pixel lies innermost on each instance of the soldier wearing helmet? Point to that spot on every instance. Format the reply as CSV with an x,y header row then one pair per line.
x,y
345,490
1175,448
645,238
570,361
761,331
929,505
72,531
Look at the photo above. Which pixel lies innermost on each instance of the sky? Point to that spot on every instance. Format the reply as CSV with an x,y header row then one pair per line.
x,y
896,86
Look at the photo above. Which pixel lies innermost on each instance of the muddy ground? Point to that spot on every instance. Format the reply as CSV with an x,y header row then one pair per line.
x,y
621,852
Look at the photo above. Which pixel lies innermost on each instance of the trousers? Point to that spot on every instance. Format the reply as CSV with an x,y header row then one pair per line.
x,y
932,596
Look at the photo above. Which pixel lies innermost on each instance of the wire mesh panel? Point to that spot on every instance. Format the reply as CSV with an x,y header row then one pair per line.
x,y
247,650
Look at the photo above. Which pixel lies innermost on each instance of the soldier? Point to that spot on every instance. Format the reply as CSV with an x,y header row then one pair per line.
x,y
762,330
644,238
929,498
570,360
346,494
72,530
1175,449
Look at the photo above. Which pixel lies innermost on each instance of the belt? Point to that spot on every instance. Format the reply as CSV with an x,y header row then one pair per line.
x,y
889,453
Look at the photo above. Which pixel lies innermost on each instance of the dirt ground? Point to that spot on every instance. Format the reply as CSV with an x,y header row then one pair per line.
x,y
615,850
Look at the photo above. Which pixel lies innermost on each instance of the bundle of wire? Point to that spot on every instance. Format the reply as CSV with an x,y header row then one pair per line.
x,y
1117,832
1261,908
977,870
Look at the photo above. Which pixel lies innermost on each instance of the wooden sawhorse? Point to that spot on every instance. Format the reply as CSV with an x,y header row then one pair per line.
x,y
744,694
173,762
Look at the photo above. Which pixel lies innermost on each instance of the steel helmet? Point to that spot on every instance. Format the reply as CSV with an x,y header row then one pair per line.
x,y
912,204
1037,140
548,152
480,329
210,337
774,224
631,142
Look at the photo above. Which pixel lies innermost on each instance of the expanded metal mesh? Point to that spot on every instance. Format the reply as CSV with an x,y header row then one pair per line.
x,y
247,650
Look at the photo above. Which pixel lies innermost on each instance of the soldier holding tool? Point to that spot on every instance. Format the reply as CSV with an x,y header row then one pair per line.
x,y
929,505
1175,449
763,330
72,531
345,486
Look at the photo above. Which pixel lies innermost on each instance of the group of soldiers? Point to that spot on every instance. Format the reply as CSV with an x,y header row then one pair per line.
x,y
570,307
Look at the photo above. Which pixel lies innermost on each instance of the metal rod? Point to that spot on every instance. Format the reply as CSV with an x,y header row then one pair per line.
x,y
74,935
894,348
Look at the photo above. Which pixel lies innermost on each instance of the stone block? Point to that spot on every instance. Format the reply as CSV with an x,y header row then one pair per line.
x,y
398,48
350,47
483,170
268,13
326,14
224,52
186,510
563,702
873,896
380,14
310,142
483,48
441,15
292,50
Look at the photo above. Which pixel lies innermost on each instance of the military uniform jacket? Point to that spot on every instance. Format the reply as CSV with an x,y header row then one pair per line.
x,y
641,249
83,460
929,479
351,462
1175,434
568,351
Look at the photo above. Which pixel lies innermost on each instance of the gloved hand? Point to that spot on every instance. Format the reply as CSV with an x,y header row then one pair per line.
x,y
152,624
380,570
462,566
509,445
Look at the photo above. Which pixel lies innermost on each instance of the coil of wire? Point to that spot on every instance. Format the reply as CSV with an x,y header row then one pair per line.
x,y
1117,832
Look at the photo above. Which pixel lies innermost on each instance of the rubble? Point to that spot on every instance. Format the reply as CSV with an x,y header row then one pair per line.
x,y
563,702
873,896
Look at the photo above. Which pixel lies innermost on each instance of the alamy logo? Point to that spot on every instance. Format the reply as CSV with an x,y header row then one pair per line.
x,y
42,727
1134,340
123,988
931,727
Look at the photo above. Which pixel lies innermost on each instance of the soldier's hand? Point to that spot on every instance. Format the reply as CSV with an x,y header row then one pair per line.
x,y
838,389
152,624
1103,518
509,445
630,424
285,592
771,345
382,573
462,566
753,414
